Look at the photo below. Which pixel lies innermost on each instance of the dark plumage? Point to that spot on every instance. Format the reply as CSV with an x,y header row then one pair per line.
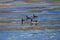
x,y
34,22
31,20
22,20
34,16
28,17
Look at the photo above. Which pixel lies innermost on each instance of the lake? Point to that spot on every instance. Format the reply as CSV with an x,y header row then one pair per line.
x,y
11,14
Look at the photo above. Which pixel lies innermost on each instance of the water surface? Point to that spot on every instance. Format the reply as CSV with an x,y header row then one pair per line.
x,y
48,16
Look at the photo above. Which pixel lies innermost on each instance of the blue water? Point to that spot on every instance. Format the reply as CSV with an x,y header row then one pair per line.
x,y
47,14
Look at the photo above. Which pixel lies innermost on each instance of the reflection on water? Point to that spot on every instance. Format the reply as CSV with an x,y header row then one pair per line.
x,y
11,13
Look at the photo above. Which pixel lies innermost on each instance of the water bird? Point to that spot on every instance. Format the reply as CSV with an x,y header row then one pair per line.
x,y
34,22
27,17
31,21
22,20
34,16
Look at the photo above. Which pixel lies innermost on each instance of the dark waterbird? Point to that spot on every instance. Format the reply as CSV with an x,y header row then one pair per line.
x,y
27,17
34,22
34,16
22,20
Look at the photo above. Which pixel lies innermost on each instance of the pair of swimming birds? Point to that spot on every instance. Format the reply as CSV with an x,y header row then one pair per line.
x,y
31,18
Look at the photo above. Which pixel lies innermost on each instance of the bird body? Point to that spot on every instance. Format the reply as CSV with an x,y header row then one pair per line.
x,y
34,16
22,20
34,22
28,17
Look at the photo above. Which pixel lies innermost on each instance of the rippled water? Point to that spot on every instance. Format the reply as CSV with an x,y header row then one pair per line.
x,y
48,18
